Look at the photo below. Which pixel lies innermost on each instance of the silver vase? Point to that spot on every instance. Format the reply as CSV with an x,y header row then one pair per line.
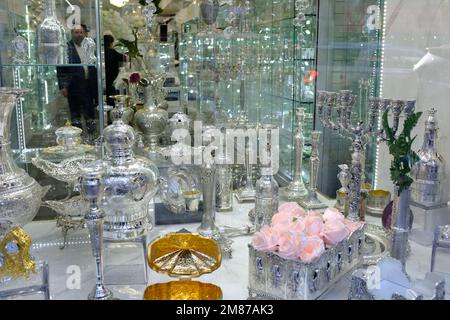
x,y
401,225
208,226
224,185
151,122
20,195
52,43
296,190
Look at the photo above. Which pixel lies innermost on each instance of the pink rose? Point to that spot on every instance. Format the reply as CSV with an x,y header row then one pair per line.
x,y
333,214
313,248
291,246
334,232
292,208
266,240
315,214
352,226
283,219
297,227
313,225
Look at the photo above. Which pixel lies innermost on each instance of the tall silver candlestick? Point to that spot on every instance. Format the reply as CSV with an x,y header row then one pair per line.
x,y
312,202
92,188
296,190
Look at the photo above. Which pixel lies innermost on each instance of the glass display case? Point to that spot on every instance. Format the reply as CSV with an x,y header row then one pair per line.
x,y
336,45
68,88
278,61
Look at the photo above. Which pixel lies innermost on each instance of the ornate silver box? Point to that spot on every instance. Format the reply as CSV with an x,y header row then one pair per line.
x,y
276,278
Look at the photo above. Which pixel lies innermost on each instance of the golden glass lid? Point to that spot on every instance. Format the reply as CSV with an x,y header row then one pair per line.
x,y
184,255
183,290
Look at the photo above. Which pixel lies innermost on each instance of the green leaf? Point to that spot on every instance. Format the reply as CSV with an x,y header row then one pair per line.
x,y
400,148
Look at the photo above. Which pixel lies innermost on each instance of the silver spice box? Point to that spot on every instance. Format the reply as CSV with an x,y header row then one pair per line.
x,y
275,278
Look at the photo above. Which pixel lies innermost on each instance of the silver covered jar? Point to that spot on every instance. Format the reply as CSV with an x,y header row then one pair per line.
x,y
429,171
20,195
68,136
130,184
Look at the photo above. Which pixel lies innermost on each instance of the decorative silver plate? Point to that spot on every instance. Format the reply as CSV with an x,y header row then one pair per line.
x,y
376,244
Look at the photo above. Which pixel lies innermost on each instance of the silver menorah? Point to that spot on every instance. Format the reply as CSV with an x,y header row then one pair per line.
x,y
335,111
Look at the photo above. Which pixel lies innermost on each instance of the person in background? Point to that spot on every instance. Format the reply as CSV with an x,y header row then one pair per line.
x,y
79,84
113,62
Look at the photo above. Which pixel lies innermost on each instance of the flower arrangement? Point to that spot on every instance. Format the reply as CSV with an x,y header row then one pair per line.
x,y
296,234
125,28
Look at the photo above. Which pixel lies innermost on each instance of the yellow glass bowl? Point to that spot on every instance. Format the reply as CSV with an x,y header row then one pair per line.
x,y
184,255
183,290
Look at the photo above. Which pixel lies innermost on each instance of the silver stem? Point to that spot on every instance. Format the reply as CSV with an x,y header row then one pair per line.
x,y
355,182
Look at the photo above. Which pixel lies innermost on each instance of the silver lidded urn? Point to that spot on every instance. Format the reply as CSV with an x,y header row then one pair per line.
x,y
20,195
429,173
130,184
51,37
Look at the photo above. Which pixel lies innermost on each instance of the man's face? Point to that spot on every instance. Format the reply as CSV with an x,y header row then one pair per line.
x,y
78,35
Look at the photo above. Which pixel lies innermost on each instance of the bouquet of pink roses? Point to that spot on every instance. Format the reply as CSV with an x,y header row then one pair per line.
x,y
296,234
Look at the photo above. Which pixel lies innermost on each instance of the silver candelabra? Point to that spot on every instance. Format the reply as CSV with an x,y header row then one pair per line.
x,y
335,112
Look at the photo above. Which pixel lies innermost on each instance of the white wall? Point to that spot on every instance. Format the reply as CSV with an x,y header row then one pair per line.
x,y
411,28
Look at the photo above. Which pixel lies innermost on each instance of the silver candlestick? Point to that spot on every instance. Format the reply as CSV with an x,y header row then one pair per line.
x,y
92,188
296,190
312,202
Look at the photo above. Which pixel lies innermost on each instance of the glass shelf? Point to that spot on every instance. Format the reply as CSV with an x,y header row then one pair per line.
x,y
37,65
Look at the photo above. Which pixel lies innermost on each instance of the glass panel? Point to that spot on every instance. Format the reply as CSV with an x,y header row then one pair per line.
x,y
60,91
349,59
